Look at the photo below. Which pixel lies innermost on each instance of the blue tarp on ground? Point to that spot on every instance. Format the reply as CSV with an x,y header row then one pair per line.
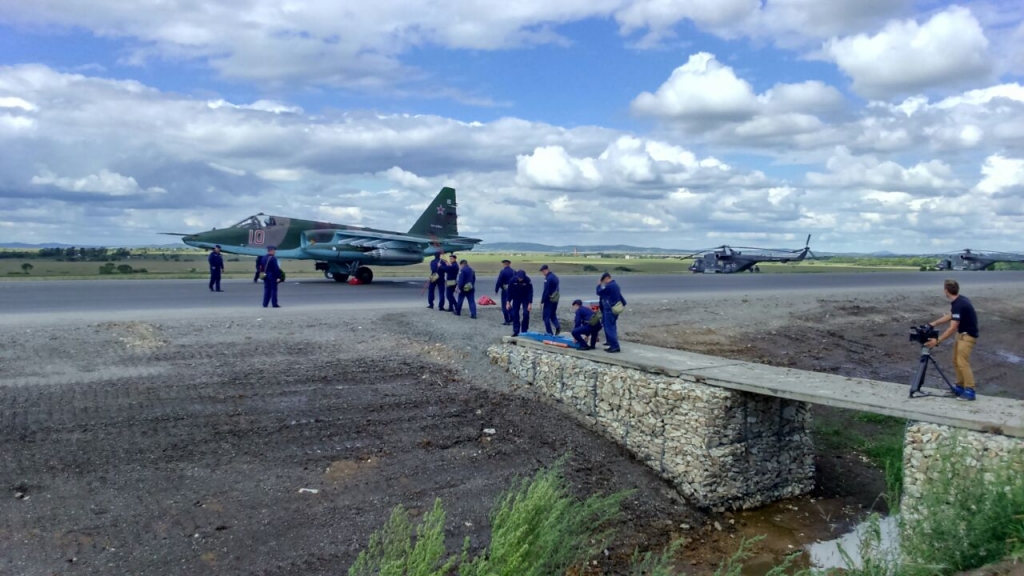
x,y
551,340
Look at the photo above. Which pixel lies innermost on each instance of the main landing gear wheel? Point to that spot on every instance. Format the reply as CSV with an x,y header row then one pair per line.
x,y
339,277
364,275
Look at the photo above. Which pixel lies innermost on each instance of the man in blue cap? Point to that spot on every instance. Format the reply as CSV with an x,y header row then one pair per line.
x,y
549,300
504,279
612,304
271,277
466,286
436,282
587,323
216,267
259,268
452,271
520,302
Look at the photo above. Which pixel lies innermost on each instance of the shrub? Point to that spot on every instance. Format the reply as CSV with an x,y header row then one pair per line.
x,y
970,514
394,552
589,268
538,529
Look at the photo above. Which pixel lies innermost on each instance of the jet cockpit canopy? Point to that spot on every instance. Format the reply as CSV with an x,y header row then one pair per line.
x,y
250,223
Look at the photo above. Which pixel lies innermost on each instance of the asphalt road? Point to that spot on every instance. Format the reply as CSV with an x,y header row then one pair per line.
x,y
71,297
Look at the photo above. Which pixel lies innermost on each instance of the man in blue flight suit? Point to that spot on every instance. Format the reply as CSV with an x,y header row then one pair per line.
x,y
271,277
259,268
611,303
549,300
504,278
587,324
216,267
466,285
520,302
452,277
436,282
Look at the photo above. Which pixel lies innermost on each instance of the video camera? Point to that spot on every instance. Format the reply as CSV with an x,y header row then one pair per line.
x,y
923,333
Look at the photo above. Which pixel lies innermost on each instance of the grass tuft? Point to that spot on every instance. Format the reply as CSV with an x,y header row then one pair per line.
x,y
970,514
393,551
538,528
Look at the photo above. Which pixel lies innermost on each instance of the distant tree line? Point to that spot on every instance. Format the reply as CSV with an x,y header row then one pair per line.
x,y
72,254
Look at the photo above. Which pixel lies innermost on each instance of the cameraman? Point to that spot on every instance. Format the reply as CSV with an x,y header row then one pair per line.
x,y
964,323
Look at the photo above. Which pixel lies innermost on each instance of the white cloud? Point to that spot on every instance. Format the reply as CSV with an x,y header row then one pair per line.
x,y
702,89
812,96
580,185
15,102
280,174
1000,173
10,125
319,42
226,169
847,170
405,178
980,96
259,105
947,50
552,167
704,95
105,182
627,164
792,22
342,214
660,16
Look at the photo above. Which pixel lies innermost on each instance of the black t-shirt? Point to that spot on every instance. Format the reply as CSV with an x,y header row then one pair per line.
x,y
961,309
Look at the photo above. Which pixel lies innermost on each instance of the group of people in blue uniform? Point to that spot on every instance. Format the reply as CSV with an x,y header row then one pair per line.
x,y
454,282
516,290
267,269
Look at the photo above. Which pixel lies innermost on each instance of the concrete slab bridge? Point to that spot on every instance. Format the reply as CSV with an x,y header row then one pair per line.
x,y
730,434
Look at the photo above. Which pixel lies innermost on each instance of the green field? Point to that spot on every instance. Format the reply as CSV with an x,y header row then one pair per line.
x,y
187,263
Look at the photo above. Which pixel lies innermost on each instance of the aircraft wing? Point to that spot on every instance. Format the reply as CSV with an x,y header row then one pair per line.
x,y
368,238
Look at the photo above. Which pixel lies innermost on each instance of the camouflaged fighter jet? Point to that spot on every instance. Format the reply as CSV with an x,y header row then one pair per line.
x,y
341,251
981,260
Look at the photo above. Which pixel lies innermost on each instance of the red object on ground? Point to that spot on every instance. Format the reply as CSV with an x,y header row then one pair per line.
x,y
486,301
354,282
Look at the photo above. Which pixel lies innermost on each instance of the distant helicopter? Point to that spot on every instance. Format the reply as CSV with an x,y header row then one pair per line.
x,y
980,260
727,259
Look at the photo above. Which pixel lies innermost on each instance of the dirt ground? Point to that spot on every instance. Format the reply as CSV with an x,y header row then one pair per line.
x,y
246,443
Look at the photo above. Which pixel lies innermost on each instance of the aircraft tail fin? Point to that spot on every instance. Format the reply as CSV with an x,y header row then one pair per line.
x,y
440,219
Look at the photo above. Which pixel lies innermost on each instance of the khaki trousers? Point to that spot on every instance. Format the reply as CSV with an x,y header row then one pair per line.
x,y
962,348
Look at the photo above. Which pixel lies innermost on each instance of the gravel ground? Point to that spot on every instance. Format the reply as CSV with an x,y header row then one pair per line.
x,y
171,443
180,445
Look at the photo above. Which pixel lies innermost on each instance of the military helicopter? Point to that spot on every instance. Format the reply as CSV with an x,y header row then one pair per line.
x,y
729,259
971,260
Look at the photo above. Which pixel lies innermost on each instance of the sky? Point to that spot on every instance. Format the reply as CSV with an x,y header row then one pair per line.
x,y
871,124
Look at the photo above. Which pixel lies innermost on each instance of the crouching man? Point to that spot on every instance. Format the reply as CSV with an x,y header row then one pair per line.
x,y
588,323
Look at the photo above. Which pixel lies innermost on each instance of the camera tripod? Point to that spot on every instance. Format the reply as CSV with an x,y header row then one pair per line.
x,y
922,369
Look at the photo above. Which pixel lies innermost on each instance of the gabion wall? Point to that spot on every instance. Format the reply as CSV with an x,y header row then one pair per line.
x,y
720,448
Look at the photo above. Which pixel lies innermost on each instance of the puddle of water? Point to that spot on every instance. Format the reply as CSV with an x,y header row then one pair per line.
x,y
826,554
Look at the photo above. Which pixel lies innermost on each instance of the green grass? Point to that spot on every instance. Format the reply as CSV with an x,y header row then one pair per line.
x,y
191,263
400,549
538,529
881,442
970,515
